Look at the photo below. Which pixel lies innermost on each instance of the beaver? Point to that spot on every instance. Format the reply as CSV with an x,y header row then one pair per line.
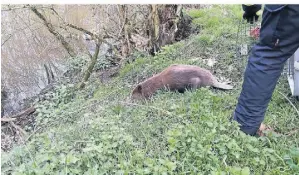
x,y
177,77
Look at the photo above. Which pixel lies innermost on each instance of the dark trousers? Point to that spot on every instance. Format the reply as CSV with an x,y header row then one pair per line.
x,y
279,39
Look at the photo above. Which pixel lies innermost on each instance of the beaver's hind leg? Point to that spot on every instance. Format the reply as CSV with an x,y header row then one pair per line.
x,y
195,83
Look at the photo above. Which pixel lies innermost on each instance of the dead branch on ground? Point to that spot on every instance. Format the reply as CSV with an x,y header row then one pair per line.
x,y
25,112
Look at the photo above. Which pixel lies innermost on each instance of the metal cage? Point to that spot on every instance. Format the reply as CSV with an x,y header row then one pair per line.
x,y
244,43
293,73
244,39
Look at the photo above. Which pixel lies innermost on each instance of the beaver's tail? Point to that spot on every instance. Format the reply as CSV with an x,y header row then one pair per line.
x,y
219,85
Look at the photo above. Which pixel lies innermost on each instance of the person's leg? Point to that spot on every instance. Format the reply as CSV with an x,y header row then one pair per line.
x,y
279,39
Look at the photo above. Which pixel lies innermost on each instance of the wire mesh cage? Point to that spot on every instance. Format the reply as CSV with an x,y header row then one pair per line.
x,y
293,73
248,35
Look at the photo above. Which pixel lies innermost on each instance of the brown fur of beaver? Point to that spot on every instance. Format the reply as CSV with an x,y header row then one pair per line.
x,y
177,77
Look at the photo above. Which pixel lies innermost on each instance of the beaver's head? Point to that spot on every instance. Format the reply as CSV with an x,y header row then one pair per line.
x,y
137,93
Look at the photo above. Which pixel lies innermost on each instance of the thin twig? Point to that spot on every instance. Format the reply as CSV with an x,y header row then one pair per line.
x,y
6,40
23,7
289,102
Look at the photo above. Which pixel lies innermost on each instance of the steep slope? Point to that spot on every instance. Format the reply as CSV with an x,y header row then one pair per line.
x,y
100,131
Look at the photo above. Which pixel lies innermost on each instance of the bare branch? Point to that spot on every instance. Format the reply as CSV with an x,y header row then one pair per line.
x,y
6,40
18,128
56,34
290,102
91,65
25,112
56,13
5,119
9,8
27,6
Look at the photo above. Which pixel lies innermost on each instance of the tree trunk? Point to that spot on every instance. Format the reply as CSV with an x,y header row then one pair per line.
x,y
154,26
91,65
163,25
126,48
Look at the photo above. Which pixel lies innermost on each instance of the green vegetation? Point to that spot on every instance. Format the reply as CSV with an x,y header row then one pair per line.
x,y
99,131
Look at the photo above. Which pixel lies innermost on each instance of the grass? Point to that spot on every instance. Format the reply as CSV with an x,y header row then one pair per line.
x,y
99,131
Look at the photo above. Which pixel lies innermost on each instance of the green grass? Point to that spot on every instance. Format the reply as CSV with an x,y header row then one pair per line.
x,y
100,131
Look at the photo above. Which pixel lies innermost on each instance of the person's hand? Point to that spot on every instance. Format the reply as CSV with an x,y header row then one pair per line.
x,y
264,129
251,12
